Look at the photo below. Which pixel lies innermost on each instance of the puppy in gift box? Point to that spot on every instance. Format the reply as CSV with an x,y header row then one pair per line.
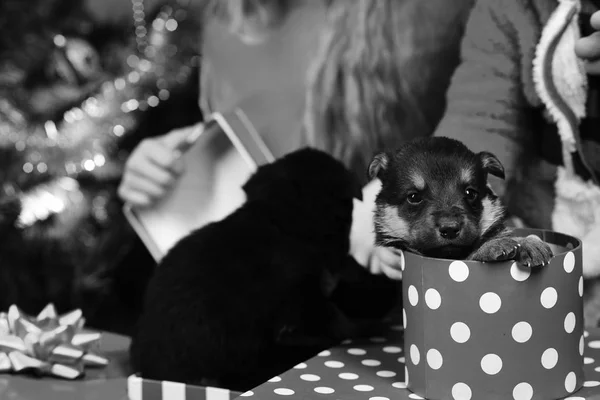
x,y
245,298
435,201
488,313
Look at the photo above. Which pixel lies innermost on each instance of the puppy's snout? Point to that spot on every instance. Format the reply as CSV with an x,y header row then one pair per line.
x,y
449,228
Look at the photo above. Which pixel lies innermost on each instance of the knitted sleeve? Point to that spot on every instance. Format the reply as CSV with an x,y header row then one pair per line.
x,y
486,103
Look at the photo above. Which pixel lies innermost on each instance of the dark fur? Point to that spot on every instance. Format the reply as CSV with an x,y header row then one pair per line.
x,y
435,201
241,300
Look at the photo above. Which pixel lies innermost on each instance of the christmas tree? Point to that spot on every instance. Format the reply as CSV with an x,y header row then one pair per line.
x,y
75,98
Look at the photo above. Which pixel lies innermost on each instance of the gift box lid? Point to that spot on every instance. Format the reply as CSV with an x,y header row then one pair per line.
x,y
373,369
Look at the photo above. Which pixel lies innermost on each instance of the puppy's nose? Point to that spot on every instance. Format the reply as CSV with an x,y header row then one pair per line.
x,y
449,229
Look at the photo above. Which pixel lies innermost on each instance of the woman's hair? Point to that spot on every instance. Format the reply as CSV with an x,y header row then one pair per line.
x,y
381,72
373,83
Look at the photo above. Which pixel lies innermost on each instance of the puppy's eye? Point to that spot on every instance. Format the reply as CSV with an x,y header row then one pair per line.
x,y
414,198
471,194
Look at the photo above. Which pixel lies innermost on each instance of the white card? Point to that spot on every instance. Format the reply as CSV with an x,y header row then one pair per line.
x,y
218,161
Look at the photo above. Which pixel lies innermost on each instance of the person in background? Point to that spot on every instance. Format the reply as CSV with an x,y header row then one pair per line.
x,y
370,79
524,92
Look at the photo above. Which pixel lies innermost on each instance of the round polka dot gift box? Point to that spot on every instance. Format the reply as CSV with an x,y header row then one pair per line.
x,y
495,330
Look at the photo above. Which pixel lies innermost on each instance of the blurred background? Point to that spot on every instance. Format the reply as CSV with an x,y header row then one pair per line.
x,y
82,82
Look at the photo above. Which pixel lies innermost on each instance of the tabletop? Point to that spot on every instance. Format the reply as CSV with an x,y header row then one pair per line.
x,y
109,383
370,368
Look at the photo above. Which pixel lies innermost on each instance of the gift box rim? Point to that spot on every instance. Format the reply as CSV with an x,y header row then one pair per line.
x,y
544,233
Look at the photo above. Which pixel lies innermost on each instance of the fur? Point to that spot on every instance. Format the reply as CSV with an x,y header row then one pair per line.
x,y
241,300
435,201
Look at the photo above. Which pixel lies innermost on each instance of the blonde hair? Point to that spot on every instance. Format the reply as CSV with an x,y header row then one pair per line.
x,y
364,89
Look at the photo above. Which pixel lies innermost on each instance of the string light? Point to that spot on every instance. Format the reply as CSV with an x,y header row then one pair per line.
x,y
89,134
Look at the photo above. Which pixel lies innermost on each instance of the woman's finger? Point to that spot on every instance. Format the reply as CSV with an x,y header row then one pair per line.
x,y
588,47
134,198
151,171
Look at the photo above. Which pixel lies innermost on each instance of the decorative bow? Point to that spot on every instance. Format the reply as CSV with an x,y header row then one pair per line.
x,y
48,344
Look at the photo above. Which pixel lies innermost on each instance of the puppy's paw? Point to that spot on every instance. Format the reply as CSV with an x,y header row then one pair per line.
x,y
499,249
533,251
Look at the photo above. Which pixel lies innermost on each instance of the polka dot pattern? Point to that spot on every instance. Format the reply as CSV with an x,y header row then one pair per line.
x,y
549,297
433,299
523,391
371,363
519,273
491,364
310,377
460,332
504,306
461,391
517,302
570,382
490,303
459,271
392,349
357,352
387,381
549,358
435,359
402,261
284,392
413,296
569,262
522,332
415,355
570,322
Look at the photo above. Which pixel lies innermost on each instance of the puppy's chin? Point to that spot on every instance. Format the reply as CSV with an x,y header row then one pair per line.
x,y
451,252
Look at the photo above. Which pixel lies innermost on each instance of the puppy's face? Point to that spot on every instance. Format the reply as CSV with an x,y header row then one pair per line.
x,y
435,199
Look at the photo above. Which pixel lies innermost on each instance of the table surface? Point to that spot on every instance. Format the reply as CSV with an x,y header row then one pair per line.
x,y
109,383
375,363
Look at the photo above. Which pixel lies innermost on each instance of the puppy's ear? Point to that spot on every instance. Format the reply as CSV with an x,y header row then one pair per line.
x,y
379,163
491,164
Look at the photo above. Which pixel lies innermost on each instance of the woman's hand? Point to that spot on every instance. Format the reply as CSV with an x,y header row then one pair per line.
x,y
152,168
588,48
378,260
591,254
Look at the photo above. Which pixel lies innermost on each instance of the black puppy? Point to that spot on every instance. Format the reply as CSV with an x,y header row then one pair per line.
x,y
435,201
243,299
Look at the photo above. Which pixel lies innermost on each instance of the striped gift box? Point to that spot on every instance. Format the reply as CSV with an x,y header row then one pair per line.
x,y
146,389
